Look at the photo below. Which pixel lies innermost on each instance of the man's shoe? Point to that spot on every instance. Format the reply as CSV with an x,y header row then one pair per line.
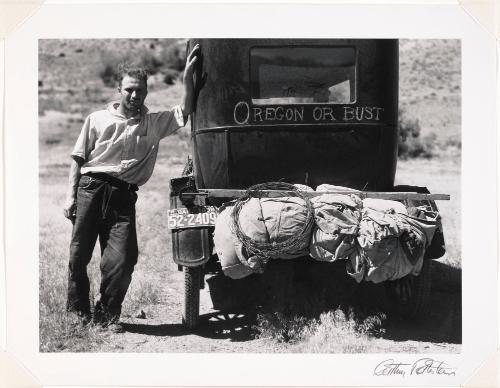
x,y
115,327
107,320
112,324
83,317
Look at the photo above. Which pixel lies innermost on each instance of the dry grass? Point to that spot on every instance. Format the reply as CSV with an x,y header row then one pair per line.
x,y
333,332
338,332
422,172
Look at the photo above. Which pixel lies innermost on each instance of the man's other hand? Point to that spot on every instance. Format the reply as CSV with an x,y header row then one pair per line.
x,y
70,209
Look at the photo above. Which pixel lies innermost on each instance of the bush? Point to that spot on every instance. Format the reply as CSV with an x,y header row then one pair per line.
x,y
150,62
333,331
108,75
411,144
110,63
453,143
142,58
170,76
169,61
174,57
280,327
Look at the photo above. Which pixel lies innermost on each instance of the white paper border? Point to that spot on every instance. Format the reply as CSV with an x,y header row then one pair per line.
x,y
3,301
216,20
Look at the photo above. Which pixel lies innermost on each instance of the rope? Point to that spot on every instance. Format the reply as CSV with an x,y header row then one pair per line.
x,y
267,250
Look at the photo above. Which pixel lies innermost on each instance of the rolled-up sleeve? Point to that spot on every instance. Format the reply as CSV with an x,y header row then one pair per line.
x,y
85,142
168,122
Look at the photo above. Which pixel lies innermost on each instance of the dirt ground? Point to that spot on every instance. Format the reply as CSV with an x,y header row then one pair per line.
x,y
161,330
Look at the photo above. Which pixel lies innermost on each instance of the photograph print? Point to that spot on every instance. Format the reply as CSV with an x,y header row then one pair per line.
x,y
250,195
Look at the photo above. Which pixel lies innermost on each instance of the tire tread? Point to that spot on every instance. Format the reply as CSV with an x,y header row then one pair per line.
x,y
191,306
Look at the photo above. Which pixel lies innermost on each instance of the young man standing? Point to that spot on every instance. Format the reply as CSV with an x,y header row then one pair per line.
x,y
114,154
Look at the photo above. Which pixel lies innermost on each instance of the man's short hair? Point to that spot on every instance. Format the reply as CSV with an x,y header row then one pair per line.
x,y
125,69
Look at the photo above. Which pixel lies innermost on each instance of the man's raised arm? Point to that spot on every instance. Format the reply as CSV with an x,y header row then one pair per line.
x,y
188,95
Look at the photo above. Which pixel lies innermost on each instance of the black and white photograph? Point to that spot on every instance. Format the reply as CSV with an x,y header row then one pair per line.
x,y
250,195
209,194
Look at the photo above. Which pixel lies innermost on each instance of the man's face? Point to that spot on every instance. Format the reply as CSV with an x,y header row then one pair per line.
x,y
133,92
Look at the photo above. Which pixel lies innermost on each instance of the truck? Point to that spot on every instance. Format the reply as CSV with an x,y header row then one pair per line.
x,y
302,111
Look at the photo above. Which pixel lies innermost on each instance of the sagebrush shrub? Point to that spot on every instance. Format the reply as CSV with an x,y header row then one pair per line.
x,y
169,62
410,143
330,328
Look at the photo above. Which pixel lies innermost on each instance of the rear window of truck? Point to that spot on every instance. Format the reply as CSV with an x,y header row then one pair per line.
x,y
303,75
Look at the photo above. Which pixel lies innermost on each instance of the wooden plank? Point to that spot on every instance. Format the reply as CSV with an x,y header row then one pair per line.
x,y
233,193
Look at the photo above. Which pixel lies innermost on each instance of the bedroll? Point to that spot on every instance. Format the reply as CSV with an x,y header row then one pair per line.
x,y
336,226
379,239
392,245
264,220
226,243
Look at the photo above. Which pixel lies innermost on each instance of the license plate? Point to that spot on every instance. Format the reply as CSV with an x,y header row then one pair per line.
x,y
182,218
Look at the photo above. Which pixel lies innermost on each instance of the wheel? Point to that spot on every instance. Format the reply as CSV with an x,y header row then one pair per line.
x,y
410,295
191,308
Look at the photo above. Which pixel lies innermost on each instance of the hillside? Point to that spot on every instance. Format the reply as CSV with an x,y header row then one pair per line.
x,y
430,85
69,77
70,69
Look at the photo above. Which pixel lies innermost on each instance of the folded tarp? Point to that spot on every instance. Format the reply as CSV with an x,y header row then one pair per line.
x,y
392,245
384,205
328,187
226,244
336,226
379,238
300,187
275,220
264,220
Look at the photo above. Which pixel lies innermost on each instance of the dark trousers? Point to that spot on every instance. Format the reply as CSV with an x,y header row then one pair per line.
x,y
106,210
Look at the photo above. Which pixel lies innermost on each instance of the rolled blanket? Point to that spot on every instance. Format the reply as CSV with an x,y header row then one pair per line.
x,y
275,220
336,226
384,205
392,245
225,247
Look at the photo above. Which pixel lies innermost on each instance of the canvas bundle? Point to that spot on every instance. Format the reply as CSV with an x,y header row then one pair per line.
x,y
393,244
226,245
336,226
379,239
263,220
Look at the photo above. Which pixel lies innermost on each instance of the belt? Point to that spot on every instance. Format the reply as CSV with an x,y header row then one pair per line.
x,y
113,181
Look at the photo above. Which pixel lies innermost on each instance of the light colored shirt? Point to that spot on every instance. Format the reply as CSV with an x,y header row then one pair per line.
x,y
124,148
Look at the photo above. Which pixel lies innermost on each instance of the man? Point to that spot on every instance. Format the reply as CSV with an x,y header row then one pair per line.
x,y
114,154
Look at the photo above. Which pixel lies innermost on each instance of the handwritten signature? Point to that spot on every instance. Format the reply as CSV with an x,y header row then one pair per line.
x,y
423,366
